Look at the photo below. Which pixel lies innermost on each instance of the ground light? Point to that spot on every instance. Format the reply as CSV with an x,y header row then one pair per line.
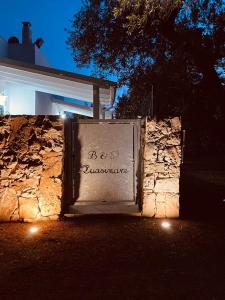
x,y
34,229
166,224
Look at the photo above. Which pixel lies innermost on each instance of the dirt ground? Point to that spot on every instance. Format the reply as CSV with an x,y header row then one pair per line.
x,y
113,257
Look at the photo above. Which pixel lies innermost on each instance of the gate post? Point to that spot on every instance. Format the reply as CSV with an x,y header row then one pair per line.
x,y
96,102
67,166
162,159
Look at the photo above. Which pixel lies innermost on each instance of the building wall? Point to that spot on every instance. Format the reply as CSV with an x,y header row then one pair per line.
x,y
26,53
162,159
21,99
40,59
43,104
31,168
3,48
21,52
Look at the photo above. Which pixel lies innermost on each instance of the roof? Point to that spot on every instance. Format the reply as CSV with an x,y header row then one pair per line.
x,y
57,73
58,82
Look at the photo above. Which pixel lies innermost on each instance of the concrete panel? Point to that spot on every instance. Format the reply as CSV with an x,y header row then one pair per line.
x,y
106,163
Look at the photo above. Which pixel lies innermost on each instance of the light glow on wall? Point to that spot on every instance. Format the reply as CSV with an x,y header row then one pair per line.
x,y
2,99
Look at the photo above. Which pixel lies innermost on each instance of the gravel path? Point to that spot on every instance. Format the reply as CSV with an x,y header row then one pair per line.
x,y
113,257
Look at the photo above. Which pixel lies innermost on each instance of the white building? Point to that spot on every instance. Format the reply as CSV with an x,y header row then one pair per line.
x,y
28,85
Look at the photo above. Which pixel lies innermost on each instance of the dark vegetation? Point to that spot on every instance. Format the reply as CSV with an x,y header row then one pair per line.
x,y
171,55
175,46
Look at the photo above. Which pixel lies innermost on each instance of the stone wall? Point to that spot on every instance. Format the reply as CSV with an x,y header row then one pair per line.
x,y
31,152
31,159
162,158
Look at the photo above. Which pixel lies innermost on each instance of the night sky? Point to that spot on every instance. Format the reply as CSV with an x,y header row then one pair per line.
x,y
49,18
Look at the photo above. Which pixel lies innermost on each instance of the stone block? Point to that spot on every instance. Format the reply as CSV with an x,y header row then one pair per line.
x,y
161,197
29,184
170,185
8,204
53,166
167,205
151,125
5,173
149,182
175,124
149,205
161,156
49,196
49,206
15,216
174,139
159,167
172,155
149,168
150,153
28,208
53,135
172,205
54,218
174,171
5,183
160,210
163,175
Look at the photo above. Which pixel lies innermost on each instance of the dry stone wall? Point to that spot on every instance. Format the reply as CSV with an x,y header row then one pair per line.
x,y
31,160
162,159
31,153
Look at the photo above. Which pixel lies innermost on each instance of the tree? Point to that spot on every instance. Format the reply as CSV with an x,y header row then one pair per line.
x,y
175,45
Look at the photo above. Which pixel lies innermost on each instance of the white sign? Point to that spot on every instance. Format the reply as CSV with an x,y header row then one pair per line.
x,y
106,162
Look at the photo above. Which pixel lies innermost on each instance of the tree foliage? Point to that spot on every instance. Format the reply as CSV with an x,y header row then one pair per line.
x,y
176,46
